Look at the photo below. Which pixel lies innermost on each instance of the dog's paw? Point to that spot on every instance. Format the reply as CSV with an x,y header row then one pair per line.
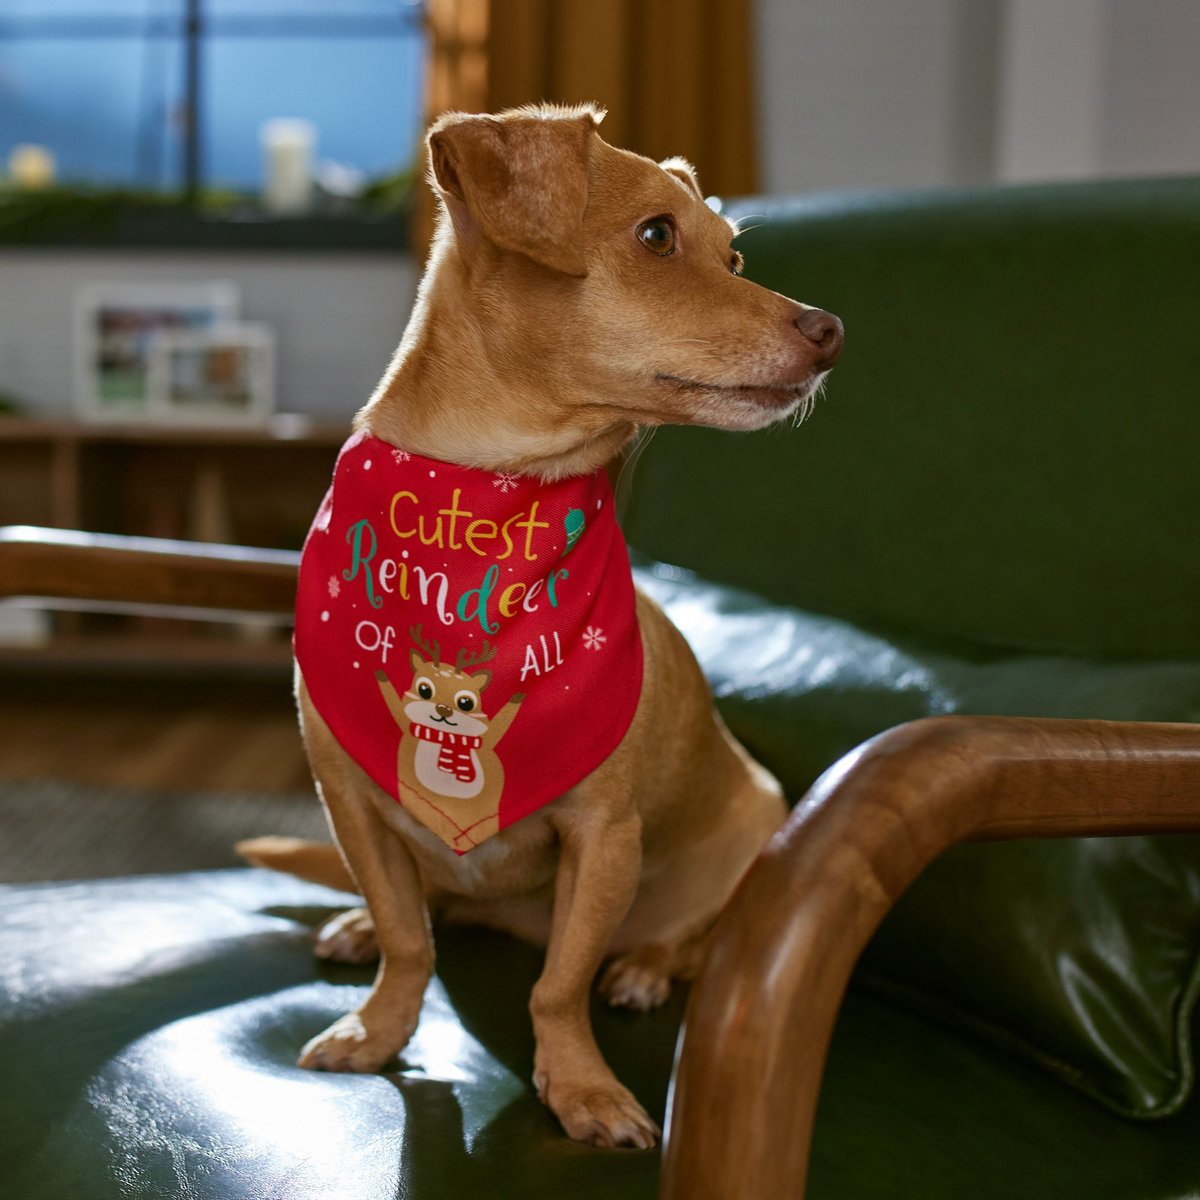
x,y
640,980
601,1114
347,938
349,1045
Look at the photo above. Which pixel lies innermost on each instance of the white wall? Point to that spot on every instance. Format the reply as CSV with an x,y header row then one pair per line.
x,y
337,317
929,93
1050,104
876,93
1151,88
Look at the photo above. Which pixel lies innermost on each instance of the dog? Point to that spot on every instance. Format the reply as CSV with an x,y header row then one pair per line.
x,y
575,294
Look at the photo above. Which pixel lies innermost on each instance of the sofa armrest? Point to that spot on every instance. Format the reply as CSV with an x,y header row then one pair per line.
x,y
104,571
762,1011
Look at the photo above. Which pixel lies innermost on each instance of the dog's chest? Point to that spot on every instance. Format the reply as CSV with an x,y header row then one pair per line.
x,y
519,859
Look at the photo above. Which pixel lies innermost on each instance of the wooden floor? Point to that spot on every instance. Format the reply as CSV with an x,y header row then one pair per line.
x,y
152,732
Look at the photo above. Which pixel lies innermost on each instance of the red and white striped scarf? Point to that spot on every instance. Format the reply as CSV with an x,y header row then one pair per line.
x,y
455,755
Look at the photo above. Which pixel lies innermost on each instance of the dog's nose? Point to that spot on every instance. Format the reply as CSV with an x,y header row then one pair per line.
x,y
443,710
825,332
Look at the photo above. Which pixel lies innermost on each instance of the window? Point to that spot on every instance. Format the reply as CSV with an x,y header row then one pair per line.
x,y
104,85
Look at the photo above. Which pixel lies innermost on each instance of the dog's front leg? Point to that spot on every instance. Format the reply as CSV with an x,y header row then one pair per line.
x,y
388,879
380,1027
597,878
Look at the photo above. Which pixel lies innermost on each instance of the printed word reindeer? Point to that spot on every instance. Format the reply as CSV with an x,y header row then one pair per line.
x,y
448,770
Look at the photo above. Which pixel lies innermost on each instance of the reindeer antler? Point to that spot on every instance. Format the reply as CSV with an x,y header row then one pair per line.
x,y
465,660
434,652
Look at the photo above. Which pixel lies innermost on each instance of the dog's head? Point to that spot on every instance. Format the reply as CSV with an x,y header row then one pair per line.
x,y
606,276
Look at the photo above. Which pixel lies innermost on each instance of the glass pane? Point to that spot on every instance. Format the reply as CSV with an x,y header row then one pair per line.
x,y
107,106
22,9
289,8
363,96
101,107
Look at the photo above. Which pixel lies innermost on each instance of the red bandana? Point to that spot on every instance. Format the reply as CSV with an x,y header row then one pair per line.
x,y
470,638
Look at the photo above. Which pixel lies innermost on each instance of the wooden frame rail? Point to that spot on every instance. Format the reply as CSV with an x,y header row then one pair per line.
x,y
131,574
762,1012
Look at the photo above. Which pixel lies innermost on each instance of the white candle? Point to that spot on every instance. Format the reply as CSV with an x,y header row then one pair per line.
x,y
287,158
31,166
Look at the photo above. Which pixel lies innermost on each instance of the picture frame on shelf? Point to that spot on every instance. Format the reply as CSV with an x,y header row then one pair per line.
x,y
223,375
116,327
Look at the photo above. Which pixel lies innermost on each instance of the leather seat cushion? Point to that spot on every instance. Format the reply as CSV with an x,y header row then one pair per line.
x,y
149,1029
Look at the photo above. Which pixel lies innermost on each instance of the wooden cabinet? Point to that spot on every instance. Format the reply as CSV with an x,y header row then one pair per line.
x,y
249,487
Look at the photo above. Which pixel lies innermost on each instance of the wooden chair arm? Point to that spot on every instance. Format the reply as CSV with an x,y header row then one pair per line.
x,y
98,570
762,1011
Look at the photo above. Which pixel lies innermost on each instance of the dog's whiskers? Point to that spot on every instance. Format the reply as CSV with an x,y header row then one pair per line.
x,y
808,403
644,438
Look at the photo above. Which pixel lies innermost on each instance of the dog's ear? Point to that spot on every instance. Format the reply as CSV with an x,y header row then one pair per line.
x,y
684,172
522,181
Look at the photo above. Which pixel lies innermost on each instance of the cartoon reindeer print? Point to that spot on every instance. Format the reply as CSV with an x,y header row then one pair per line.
x,y
450,777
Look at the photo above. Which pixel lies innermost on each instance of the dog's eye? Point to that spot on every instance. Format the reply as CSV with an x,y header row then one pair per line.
x,y
465,701
424,689
736,263
658,236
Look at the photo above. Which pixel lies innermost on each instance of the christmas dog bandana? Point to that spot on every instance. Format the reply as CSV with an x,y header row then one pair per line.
x,y
470,638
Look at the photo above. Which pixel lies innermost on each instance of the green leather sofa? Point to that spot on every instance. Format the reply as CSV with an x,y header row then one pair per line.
x,y
986,536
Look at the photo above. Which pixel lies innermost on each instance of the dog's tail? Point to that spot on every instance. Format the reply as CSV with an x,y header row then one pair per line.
x,y
317,862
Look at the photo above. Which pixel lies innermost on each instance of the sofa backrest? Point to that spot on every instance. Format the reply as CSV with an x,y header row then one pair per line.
x,y
1009,450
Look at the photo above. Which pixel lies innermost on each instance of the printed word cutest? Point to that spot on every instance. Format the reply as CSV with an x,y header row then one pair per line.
x,y
478,533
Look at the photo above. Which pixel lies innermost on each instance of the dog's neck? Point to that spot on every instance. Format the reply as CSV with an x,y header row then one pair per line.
x,y
447,395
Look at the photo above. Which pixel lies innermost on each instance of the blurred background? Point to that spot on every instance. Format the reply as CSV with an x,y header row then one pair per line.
x,y
212,219
136,136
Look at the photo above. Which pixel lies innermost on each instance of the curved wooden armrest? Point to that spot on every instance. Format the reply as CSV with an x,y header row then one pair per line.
x,y
762,1011
145,574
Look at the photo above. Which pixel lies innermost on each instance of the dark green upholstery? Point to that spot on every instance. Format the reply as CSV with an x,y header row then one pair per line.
x,y
1008,450
149,1048
150,1041
1083,955
993,510
801,689
999,497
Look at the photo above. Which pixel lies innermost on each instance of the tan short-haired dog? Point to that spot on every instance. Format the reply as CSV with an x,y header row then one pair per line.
x,y
575,292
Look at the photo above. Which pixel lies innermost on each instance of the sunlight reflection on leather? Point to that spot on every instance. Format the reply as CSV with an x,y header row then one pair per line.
x,y
139,941
237,1065
442,1049
216,1093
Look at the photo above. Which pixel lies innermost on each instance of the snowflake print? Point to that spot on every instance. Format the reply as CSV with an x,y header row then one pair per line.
x,y
506,483
593,637
401,456
334,587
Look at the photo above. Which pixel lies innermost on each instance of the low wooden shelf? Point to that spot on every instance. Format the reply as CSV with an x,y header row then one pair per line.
x,y
251,487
